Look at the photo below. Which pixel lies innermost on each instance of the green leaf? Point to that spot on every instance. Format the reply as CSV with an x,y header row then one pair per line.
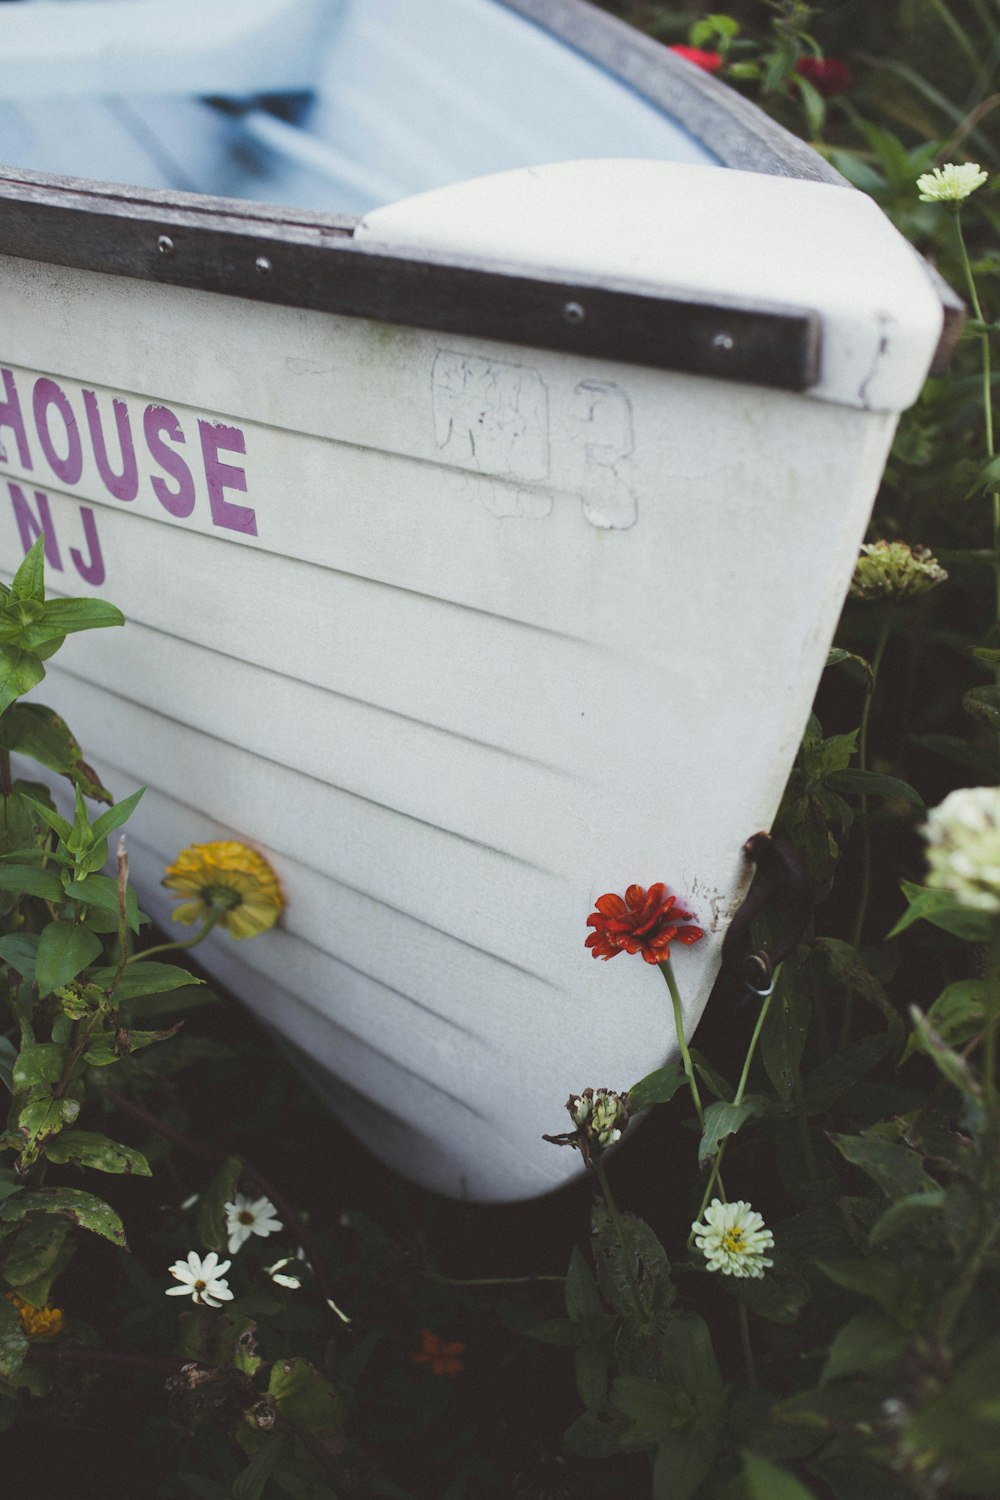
x,y
959,1423
896,1169
583,1300
64,950
688,1351
842,1071
81,1208
43,1063
113,1046
683,1461
306,1398
948,1062
117,815
783,1037
28,880
13,1340
55,820
765,1481
943,910
144,977
87,1148
656,1088
38,1254
957,1015
591,1367
876,1277
901,1217
32,730
150,1007
848,969
29,580
559,1331
595,1435
211,1205
20,671
8,1056
656,1408
66,616
251,1483
18,950
858,783
647,1260
722,1120
779,1296
837,656
101,891
867,1342
987,476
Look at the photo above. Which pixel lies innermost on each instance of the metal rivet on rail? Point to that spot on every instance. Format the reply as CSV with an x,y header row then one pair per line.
x,y
165,245
724,342
573,314
263,265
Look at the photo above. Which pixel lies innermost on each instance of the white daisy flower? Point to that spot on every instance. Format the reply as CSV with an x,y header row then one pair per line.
x,y
733,1239
202,1280
963,854
244,1218
951,183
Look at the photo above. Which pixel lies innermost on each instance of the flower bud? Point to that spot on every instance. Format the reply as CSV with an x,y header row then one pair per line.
x,y
894,571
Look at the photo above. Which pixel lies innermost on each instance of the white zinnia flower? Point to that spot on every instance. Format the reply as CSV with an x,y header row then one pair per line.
x,y
950,183
733,1239
203,1280
244,1218
963,835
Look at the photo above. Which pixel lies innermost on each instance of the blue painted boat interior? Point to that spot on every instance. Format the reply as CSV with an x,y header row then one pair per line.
x,y
407,95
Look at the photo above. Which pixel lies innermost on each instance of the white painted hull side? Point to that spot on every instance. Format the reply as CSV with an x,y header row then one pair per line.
x,y
465,636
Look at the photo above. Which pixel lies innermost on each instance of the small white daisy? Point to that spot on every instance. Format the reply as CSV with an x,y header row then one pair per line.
x,y
244,1218
733,1239
203,1280
951,183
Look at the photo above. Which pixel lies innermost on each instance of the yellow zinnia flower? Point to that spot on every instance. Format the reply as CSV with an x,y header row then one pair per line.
x,y
38,1322
229,882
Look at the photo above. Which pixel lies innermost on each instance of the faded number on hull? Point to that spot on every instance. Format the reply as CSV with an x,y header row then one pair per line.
x,y
493,418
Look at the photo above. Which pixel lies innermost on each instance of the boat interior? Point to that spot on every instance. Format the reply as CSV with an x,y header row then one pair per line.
x,y
332,106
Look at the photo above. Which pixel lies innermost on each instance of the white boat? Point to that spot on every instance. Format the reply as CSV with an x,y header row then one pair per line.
x,y
480,554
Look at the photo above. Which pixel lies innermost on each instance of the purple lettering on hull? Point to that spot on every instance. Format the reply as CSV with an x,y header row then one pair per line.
x,y
31,526
158,421
11,417
45,396
220,476
124,486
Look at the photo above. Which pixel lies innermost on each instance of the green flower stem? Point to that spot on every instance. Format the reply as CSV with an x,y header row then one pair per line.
x,y
715,1178
633,1286
178,946
747,1347
490,1280
866,836
5,781
984,339
992,1017
668,974
958,32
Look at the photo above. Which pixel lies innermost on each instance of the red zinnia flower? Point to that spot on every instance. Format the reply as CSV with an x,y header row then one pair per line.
x,y
442,1358
827,75
709,62
646,922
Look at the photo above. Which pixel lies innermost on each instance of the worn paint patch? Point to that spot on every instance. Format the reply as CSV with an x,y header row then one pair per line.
x,y
604,432
491,416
